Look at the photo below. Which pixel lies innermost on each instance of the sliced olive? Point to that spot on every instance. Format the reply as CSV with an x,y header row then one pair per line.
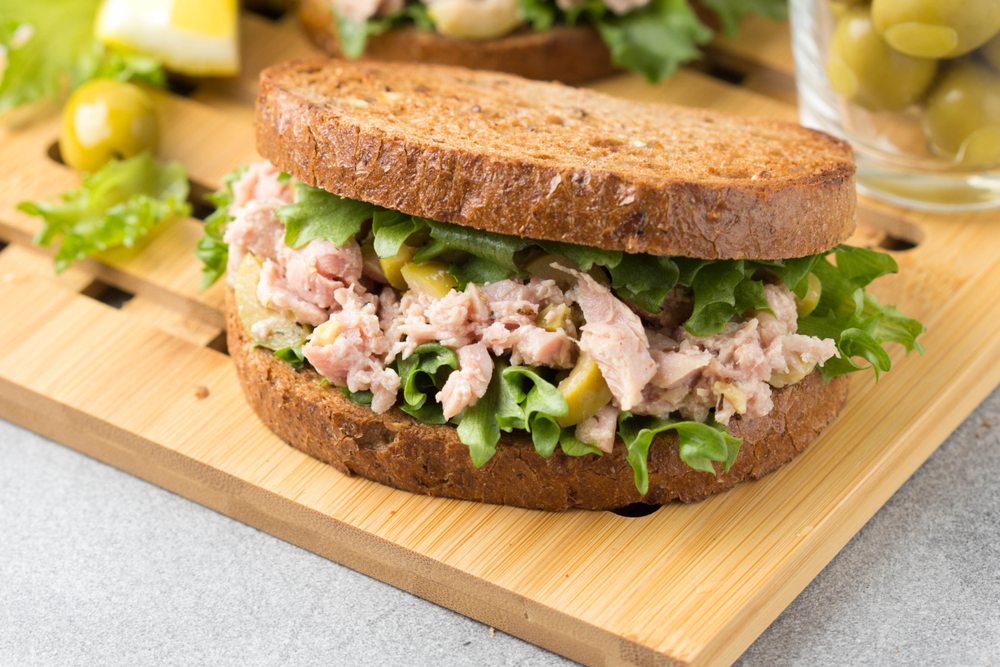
x,y
430,278
936,28
585,391
554,317
392,267
107,119
864,70
268,328
962,114
808,303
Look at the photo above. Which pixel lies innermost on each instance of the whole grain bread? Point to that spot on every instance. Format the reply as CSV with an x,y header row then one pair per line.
x,y
397,450
546,161
561,53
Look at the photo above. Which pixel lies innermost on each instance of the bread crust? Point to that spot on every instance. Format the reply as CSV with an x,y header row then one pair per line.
x,y
546,161
397,450
561,53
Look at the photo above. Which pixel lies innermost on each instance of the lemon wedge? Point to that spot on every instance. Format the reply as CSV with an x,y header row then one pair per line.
x,y
194,37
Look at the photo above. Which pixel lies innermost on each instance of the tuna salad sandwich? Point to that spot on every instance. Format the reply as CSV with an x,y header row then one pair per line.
x,y
471,285
562,40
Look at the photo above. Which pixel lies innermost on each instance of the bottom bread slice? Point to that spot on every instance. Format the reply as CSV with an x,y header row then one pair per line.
x,y
397,450
561,53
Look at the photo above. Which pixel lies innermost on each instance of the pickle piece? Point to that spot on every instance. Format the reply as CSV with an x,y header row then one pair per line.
x,y
585,391
392,267
814,291
430,278
553,317
779,380
268,328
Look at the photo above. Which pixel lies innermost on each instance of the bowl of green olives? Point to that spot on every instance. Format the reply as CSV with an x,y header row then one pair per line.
x,y
914,85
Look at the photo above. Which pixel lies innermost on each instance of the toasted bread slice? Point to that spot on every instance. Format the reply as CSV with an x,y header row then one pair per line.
x,y
397,450
546,161
562,53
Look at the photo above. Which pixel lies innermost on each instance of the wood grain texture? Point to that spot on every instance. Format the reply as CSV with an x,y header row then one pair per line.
x,y
688,585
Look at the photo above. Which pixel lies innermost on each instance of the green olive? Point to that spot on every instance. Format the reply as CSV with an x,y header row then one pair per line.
x,y
863,69
936,28
107,119
991,52
963,114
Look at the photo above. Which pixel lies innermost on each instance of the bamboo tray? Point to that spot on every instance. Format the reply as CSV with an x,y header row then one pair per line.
x,y
147,387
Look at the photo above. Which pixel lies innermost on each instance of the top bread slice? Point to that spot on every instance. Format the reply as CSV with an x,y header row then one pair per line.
x,y
561,53
546,161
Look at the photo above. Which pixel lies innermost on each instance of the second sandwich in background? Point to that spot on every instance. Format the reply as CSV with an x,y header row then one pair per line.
x,y
556,40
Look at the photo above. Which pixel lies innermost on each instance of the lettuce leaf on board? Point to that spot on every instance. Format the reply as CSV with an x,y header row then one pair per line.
x,y
46,42
115,206
211,250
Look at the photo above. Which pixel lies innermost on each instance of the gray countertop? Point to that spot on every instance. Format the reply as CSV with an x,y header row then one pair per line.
x,y
98,567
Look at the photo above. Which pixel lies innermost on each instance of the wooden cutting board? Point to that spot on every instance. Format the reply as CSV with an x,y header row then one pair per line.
x,y
145,388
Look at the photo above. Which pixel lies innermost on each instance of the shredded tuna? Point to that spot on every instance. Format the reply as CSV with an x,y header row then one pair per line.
x,y
599,430
614,338
733,372
255,229
273,292
260,182
657,371
534,346
349,350
468,384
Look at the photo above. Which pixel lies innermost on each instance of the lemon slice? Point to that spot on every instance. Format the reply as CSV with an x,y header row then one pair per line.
x,y
194,37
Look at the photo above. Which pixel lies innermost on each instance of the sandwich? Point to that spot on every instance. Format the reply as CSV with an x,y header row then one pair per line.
x,y
470,285
563,40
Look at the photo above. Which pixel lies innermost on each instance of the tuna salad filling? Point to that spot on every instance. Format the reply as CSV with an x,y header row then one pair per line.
x,y
574,345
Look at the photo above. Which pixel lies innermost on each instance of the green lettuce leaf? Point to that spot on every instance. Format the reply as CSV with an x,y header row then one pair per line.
x,y
391,229
211,250
318,214
656,39
362,398
496,248
531,403
856,320
731,12
477,427
584,256
699,444
541,14
421,376
294,356
46,41
115,206
108,63
573,446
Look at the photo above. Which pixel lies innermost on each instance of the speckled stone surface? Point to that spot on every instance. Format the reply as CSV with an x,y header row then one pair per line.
x,y
98,567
